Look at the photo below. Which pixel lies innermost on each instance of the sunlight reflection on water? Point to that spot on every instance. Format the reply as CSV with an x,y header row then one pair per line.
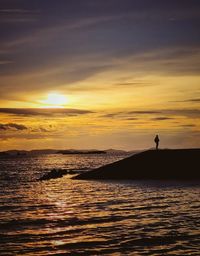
x,y
64,216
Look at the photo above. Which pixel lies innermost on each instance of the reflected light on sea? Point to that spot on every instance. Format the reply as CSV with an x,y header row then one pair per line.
x,y
70,217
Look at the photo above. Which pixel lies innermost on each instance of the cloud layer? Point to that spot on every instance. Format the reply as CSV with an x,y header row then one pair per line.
x,y
44,111
128,69
12,126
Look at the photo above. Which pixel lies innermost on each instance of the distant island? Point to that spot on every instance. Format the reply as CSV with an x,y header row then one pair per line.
x,y
80,152
27,152
151,164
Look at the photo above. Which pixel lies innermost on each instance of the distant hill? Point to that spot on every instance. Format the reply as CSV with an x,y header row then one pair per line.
x,y
115,151
43,151
151,164
14,152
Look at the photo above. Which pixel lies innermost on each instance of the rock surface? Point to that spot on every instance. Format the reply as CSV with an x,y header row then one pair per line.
x,y
151,164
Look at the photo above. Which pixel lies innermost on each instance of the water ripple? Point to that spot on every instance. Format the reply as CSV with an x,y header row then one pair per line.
x,y
70,217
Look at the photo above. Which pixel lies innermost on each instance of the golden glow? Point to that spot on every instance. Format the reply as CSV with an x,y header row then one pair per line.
x,y
55,100
167,104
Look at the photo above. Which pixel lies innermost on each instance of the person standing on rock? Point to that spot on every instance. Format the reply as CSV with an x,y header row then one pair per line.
x,y
157,141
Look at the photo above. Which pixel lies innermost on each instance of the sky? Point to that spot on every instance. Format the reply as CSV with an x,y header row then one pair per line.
x,y
99,74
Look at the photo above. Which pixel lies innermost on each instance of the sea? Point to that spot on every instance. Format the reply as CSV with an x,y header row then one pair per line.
x,y
79,217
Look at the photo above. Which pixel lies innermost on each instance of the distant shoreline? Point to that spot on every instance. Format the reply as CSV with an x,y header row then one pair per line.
x,y
60,151
70,152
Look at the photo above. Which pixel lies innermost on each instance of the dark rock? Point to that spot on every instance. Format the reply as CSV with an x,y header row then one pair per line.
x,y
151,164
53,174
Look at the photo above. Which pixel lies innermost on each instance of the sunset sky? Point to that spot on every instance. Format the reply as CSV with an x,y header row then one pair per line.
x,y
99,74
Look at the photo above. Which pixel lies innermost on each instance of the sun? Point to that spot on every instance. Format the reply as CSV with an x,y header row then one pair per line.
x,y
55,100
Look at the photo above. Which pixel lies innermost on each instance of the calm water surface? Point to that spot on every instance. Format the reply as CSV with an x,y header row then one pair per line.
x,y
71,217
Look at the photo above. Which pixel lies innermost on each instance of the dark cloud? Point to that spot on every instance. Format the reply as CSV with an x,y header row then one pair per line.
x,y
196,100
112,28
17,11
192,113
134,84
120,115
111,115
11,126
188,125
131,118
171,60
171,114
46,80
161,118
127,115
44,111
13,15
145,112
5,62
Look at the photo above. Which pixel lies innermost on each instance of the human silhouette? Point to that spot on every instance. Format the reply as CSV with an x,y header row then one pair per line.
x,y
157,141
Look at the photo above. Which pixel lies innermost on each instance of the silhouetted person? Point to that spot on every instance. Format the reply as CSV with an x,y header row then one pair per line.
x,y
157,141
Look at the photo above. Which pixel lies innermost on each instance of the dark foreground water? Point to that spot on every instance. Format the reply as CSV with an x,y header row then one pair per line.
x,y
71,217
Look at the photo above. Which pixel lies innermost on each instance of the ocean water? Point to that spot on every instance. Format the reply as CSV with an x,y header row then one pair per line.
x,y
76,217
